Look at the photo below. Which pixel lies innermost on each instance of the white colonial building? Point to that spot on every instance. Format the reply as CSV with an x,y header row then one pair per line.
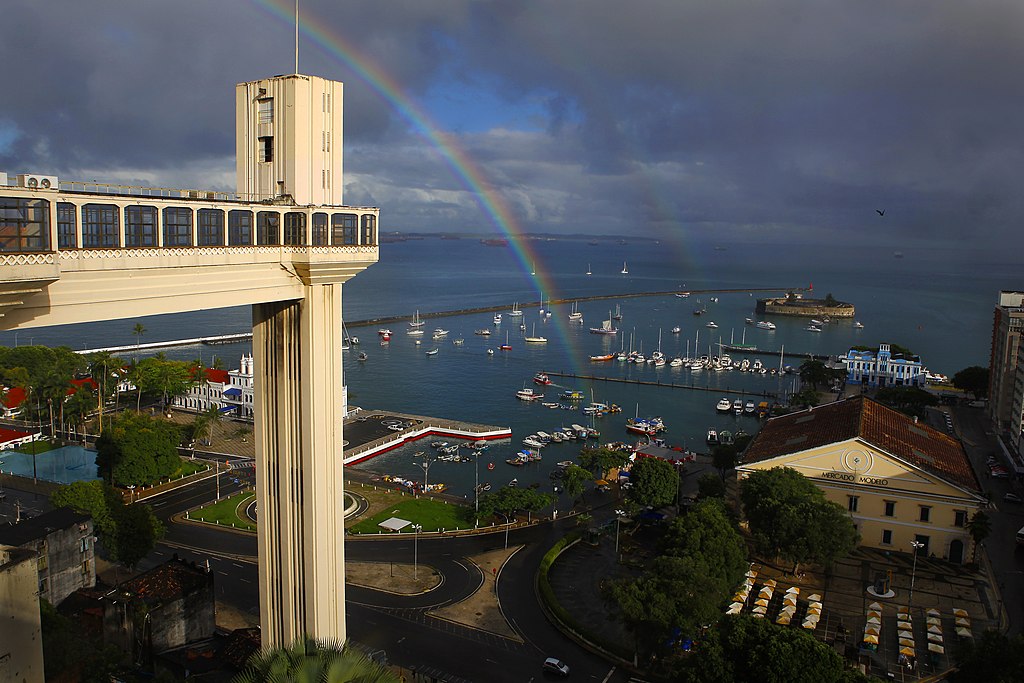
x,y
883,368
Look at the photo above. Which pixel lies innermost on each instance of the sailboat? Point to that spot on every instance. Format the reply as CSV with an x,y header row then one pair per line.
x,y
534,339
533,268
515,312
606,327
575,316
588,270
416,322
618,313
506,346
625,270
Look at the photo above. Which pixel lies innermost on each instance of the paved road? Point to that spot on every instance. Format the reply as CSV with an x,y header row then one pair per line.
x,y
1007,558
399,624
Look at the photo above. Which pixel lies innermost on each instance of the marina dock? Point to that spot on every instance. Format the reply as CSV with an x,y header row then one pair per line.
x,y
659,383
370,433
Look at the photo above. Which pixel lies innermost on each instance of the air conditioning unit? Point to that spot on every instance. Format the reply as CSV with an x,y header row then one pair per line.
x,y
38,182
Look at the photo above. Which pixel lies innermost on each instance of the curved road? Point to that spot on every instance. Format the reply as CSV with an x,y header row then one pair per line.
x,y
398,624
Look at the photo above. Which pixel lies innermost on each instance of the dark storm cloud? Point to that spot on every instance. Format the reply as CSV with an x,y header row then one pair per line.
x,y
718,118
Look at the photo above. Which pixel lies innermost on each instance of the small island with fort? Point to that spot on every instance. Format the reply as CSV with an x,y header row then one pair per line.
x,y
797,305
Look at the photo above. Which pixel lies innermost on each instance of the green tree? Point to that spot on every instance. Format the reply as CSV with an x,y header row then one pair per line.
x,y
741,648
575,480
136,449
710,486
598,461
993,658
723,457
790,517
805,398
708,534
979,526
313,661
138,331
973,380
912,401
508,500
815,372
654,482
70,654
127,532
102,365
77,408
138,531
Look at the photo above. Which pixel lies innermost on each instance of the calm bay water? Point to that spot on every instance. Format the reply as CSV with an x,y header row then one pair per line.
x,y
936,302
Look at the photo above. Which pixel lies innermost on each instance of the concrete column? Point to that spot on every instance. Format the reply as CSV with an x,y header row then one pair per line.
x,y
298,398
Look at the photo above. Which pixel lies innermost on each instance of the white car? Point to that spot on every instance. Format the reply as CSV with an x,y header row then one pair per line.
x,y
556,666
1012,498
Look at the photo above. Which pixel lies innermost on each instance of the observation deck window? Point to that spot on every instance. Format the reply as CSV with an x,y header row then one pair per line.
x,y
319,230
67,225
140,226
177,226
344,228
295,228
211,227
268,228
24,224
239,227
369,229
100,228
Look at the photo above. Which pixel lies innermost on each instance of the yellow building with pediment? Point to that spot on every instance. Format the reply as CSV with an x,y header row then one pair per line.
x,y
901,481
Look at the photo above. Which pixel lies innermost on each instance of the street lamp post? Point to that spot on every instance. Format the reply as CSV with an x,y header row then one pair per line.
x,y
415,549
618,518
507,524
913,572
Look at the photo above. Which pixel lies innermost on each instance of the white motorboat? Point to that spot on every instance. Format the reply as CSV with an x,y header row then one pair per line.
x,y
711,324
432,352
414,332
724,405
813,328
676,329
749,408
737,406
528,394
440,334
857,325
497,318
766,325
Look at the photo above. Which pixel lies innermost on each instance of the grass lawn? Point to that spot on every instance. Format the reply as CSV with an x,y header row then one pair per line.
x,y
432,515
223,512
191,467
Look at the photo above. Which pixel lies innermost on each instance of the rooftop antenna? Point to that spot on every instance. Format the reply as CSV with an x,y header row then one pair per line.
x,y
296,36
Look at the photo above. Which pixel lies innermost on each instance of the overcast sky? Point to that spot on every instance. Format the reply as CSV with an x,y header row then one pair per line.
x,y
719,120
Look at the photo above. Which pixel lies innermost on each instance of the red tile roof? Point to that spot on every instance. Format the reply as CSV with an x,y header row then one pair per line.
x,y
77,384
169,581
884,428
7,435
221,376
13,397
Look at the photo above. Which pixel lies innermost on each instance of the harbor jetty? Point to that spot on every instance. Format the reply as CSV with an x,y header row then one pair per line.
x,y
659,383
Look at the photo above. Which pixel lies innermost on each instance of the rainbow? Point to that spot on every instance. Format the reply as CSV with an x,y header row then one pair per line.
x,y
463,167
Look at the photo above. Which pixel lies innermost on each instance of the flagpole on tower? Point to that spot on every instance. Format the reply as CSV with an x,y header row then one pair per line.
x,y
296,36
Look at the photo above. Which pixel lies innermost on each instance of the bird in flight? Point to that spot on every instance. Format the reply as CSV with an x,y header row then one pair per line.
x,y
880,212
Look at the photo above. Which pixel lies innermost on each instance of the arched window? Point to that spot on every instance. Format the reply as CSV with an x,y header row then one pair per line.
x,y
268,227
140,226
239,227
100,229
211,227
177,226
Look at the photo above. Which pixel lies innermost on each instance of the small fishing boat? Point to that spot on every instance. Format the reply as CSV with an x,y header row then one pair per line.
x,y
490,352
432,352
606,326
440,333
362,355
607,356
737,407
749,408
483,332
497,318
724,405
765,325
676,329
857,325
490,465
385,334
712,438
712,324
813,328
527,394
541,378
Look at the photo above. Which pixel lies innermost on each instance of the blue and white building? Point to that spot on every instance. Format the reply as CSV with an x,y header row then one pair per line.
x,y
883,369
